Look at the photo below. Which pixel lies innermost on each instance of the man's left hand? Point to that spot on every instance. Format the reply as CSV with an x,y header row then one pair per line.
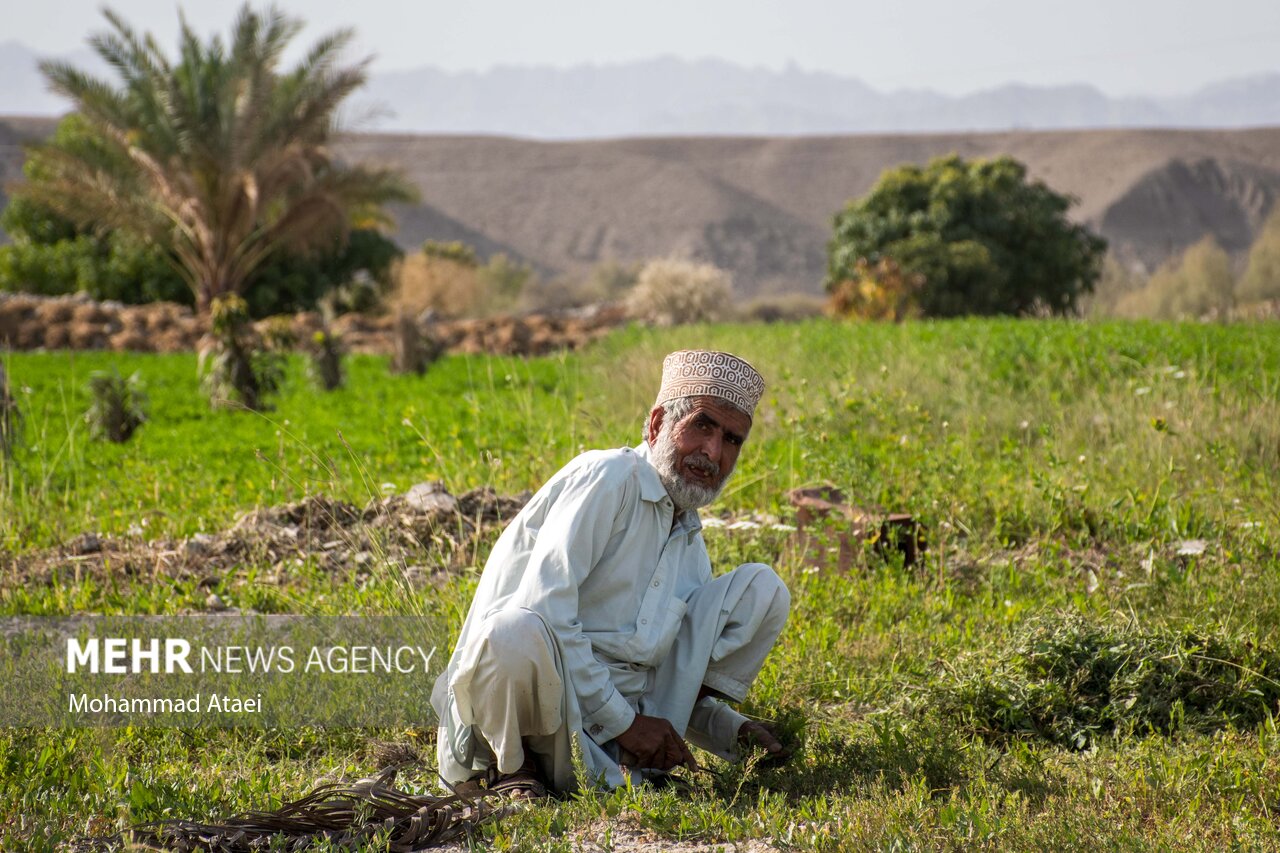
x,y
765,735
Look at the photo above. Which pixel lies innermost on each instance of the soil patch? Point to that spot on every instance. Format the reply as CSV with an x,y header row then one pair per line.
x,y
425,530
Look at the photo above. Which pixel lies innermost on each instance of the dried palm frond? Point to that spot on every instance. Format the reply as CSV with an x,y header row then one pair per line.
x,y
342,814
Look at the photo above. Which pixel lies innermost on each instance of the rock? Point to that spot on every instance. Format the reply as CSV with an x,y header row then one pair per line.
x,y
200,545
214,603
430,497
85,543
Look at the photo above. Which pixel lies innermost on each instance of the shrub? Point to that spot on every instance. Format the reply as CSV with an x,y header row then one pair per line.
x,y
1071,680
880,291
671,291
1118,280
325,362
441,285
1261,279
413,351
1197,285
502,283
118,406
610,281
782,308
457,251
234,365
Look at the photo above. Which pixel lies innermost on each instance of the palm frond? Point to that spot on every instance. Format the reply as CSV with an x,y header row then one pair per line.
x,y
342,815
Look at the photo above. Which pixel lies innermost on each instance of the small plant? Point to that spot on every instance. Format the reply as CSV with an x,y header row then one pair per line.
x,y
880,291
670,292
10,416
414,351
118,407
456,251
235,366
1070,680
325,363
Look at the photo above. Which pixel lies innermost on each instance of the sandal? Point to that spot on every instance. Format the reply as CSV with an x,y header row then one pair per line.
x,y
524,784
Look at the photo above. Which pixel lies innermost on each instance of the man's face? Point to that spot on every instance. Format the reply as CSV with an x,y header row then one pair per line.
x,y
695,456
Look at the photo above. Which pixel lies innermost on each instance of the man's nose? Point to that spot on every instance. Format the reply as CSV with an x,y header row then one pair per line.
x,y
713,446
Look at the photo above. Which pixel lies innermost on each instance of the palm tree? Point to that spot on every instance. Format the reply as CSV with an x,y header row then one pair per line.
x,y
221,159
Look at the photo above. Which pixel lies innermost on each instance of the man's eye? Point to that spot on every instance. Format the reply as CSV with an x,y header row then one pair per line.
x,y
734,440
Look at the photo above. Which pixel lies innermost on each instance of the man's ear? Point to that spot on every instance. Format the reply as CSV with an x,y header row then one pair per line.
x,y
655,425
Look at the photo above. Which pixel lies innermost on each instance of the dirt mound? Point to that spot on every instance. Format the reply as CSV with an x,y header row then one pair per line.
x,y
420,533
28,322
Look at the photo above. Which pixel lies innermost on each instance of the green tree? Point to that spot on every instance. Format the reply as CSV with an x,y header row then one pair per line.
x,y
51,255
219,159
985,239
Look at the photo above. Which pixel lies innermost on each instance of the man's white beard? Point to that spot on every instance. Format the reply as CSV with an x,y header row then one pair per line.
x,y
684,495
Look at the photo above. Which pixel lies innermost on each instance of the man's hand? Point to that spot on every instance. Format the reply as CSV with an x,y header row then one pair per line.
x,y
654,743
754,733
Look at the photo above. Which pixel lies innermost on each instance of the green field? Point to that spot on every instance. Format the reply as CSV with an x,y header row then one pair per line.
x,y
1054,675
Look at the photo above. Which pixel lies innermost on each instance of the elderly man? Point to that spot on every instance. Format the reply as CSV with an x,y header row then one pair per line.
x,y
597,628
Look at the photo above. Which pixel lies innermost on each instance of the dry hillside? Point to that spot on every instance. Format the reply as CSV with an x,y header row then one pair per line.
x,y
762,207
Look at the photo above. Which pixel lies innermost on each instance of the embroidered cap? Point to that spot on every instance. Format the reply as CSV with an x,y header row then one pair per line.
x,y
701,373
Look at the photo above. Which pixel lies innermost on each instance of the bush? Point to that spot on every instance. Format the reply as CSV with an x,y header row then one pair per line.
x,y
984,239
1261,279
882,291
782,308
443,286
1118,280
234,365
118,407
1071,680
413,351
1197,285
456,251
325,360
502,284
671,291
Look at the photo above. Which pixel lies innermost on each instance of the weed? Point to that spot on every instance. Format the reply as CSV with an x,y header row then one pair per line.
x,y
119,405
1071,680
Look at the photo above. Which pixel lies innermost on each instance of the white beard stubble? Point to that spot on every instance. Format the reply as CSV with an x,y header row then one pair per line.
x,y
684,495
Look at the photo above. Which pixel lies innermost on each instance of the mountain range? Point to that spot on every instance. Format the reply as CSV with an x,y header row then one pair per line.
x,y
667,96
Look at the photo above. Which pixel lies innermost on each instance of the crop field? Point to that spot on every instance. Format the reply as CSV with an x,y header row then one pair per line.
x,y
1087,655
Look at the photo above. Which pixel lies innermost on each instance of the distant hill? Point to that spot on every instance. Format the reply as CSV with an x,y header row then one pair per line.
x,y
762,207
675,97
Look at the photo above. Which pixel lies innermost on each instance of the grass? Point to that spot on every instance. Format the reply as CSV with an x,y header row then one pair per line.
x,y
1058,468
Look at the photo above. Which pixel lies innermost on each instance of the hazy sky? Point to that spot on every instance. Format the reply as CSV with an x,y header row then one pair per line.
x,y
1155,47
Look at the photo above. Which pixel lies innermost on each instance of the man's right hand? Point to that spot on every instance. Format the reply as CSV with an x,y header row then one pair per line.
x,y
654,743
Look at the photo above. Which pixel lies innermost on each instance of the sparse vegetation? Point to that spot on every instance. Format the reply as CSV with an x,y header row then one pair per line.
x,y
1261,279
1072,680
672,291
236,366
325,360
414,350
1198,285
880,292
118,407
